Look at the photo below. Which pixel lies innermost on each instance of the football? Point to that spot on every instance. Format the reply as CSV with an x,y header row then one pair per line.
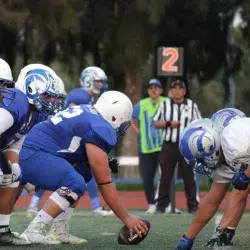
x,y
124,237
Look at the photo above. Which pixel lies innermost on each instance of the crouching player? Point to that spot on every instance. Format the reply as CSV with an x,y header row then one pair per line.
x,y
201,145
78,134
20,110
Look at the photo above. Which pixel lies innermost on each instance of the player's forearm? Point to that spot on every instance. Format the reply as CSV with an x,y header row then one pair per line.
x,y
110,195
202,217
247,172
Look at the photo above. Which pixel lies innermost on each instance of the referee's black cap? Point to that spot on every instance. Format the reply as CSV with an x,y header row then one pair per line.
x,y
178,83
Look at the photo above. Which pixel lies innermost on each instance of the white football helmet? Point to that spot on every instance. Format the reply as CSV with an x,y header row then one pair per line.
x,y
224,117
200,142
116,108
89,76
6,80
38,82
61,95
5,71
61,87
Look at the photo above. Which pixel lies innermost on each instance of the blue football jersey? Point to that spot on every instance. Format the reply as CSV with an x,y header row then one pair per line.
x,y
78,96
19,108
66,133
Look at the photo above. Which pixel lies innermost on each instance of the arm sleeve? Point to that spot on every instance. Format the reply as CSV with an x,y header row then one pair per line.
x,y
136,111
196,112
159,113
6,120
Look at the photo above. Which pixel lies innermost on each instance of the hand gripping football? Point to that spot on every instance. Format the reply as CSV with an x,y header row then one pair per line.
x,y
124,237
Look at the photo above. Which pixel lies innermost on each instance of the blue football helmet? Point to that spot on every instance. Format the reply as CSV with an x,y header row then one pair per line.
x,y
90,78
224,117
39,83
200,146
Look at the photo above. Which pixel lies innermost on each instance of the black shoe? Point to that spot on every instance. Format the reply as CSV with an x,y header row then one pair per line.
x,y
160,210
192,210
9,239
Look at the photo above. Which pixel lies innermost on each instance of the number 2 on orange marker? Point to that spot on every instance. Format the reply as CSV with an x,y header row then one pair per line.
x,y
169,64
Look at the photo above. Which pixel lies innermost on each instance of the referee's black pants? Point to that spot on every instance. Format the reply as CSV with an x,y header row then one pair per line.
x,y
148,166
170,155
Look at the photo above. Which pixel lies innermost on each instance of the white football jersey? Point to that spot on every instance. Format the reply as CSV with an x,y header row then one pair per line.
x,y
235,143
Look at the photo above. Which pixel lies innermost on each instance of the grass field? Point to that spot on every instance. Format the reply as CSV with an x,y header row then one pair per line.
x,y
165,232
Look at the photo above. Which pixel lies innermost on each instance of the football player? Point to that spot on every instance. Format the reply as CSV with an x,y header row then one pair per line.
x,y
21,109
60,226
201,146
60,103
78,134
92,81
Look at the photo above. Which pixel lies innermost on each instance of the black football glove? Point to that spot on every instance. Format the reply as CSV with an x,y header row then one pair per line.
x,y
114,165
221,237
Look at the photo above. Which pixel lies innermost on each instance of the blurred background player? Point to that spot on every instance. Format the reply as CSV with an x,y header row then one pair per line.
x,y
94,131
150,139
21,112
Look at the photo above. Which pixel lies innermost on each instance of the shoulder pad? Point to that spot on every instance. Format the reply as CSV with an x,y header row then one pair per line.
x,y
103,129
101,133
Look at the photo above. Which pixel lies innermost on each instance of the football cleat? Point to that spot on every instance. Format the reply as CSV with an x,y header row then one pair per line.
x,y
31,213
37,233
102,212
151,209
10,239
60,231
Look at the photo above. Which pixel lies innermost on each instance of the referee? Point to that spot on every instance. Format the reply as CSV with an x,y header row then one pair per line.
x,y
173,115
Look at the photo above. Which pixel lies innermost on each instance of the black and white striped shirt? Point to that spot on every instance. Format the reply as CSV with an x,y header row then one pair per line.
x,y
184,112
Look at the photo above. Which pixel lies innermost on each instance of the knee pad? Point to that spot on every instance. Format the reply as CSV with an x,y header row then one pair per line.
x,y
64,197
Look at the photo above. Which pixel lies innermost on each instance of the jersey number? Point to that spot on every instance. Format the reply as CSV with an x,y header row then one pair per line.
x,y
68,113
169,64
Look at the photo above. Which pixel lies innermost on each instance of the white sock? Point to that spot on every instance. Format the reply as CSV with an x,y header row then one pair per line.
x,y
34,202
4,219
43,217
24,192
66,215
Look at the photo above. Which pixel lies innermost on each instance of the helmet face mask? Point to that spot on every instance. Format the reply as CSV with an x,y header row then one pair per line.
x,y
201,143
121,131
